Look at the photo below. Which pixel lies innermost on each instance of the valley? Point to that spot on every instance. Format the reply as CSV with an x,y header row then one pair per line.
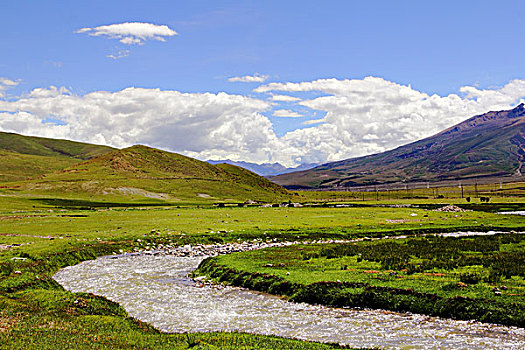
x,y
65,203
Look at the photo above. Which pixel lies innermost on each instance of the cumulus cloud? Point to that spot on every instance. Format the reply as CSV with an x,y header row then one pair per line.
x,y
371,115
131,33
285,98
286,113
197,124
256,78
6,84
360,116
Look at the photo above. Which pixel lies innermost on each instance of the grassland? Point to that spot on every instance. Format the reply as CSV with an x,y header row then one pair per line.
x,y
479,278
44,167
445,192
17,167
24,157
41,234
50,147
84,201
142,173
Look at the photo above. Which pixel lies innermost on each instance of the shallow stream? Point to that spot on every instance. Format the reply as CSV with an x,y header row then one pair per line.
x,y
156,289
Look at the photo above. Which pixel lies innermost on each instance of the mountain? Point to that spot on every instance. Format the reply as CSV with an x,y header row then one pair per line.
x,y
265,169
23,157
491,144
145,172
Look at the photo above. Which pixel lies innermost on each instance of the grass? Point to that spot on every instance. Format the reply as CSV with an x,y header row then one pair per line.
x,y
442,276
50,147
24,157
54,319
18,167
144,198
143,174
35,312
445,192
44,234
184,225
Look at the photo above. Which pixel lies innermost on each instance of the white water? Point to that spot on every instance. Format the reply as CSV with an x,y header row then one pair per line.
x,y
156,289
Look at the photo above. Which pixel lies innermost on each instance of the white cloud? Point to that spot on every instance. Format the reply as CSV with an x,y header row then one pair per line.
x,y
361,116
286,113
285,98
6,84
372,115
314,121
256,78
131,33
196,124
119,54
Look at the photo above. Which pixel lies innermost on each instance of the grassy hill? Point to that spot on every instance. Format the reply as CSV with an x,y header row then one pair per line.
x,y
141,172
491,144
23,157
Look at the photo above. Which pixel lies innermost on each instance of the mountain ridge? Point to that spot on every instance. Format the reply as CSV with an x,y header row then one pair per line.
x,y
264,169
489,144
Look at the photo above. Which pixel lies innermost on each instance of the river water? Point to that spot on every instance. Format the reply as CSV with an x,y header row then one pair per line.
x,y
156,289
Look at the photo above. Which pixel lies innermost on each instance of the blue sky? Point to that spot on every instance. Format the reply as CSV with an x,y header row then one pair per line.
x,y
434,48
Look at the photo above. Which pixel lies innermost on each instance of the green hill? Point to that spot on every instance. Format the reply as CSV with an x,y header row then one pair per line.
x,y
42,146
23,157
142,172
491,144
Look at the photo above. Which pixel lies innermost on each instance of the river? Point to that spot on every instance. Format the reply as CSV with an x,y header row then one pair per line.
x,y
156,290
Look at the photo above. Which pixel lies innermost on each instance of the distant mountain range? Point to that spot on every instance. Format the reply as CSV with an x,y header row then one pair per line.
x,y
491,144
265,169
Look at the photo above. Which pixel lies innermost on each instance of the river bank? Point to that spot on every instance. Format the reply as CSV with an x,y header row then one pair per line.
x,y
37,313
341,276
156,289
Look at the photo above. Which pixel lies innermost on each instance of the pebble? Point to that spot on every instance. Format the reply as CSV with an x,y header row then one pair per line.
x,y
189,250
451,208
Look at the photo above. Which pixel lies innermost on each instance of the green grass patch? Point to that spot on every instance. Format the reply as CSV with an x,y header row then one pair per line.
x,y
480,277
37,313
35,242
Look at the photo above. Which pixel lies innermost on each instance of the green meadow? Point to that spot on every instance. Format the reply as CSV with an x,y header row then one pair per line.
x,y
41,234
481,277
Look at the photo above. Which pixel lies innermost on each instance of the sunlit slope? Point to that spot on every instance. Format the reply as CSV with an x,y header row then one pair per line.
x,y
23,157
141,171
491,144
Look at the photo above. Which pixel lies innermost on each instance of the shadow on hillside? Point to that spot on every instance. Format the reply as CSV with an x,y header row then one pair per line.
x,y
88,205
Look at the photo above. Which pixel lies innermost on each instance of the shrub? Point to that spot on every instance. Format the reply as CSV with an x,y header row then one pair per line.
x,y
470,278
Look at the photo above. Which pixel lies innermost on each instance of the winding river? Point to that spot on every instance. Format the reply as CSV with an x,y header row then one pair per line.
x,y
156,289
